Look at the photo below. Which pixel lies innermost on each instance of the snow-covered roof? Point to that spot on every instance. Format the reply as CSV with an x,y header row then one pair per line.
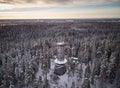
x,y
74,58
60,62
60,43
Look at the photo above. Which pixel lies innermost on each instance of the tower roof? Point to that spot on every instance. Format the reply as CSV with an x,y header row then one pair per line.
x,y
60,62
60,43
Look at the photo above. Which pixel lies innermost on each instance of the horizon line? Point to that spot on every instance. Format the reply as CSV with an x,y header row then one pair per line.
x,y
54,18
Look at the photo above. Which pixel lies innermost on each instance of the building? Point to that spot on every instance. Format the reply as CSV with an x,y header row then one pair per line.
x,y
60,61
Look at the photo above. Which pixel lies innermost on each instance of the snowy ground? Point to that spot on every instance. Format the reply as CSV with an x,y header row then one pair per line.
x,y
68,80
65,81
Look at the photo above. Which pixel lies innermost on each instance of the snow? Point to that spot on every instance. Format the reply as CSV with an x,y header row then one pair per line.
x,y
74,58
62,81
60,62
60,43
39,73
66,79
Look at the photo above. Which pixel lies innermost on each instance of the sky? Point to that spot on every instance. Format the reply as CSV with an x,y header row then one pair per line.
x,y
59,9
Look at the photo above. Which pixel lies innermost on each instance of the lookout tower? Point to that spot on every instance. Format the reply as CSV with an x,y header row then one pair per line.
x,y
60,61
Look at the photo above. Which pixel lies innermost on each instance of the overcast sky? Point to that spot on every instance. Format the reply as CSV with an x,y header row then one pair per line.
x,y
43,9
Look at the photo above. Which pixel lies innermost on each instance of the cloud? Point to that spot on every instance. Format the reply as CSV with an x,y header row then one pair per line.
x,y
38,5
59,2
101,13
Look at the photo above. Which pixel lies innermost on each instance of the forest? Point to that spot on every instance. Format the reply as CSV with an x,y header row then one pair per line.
x,y
27,53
